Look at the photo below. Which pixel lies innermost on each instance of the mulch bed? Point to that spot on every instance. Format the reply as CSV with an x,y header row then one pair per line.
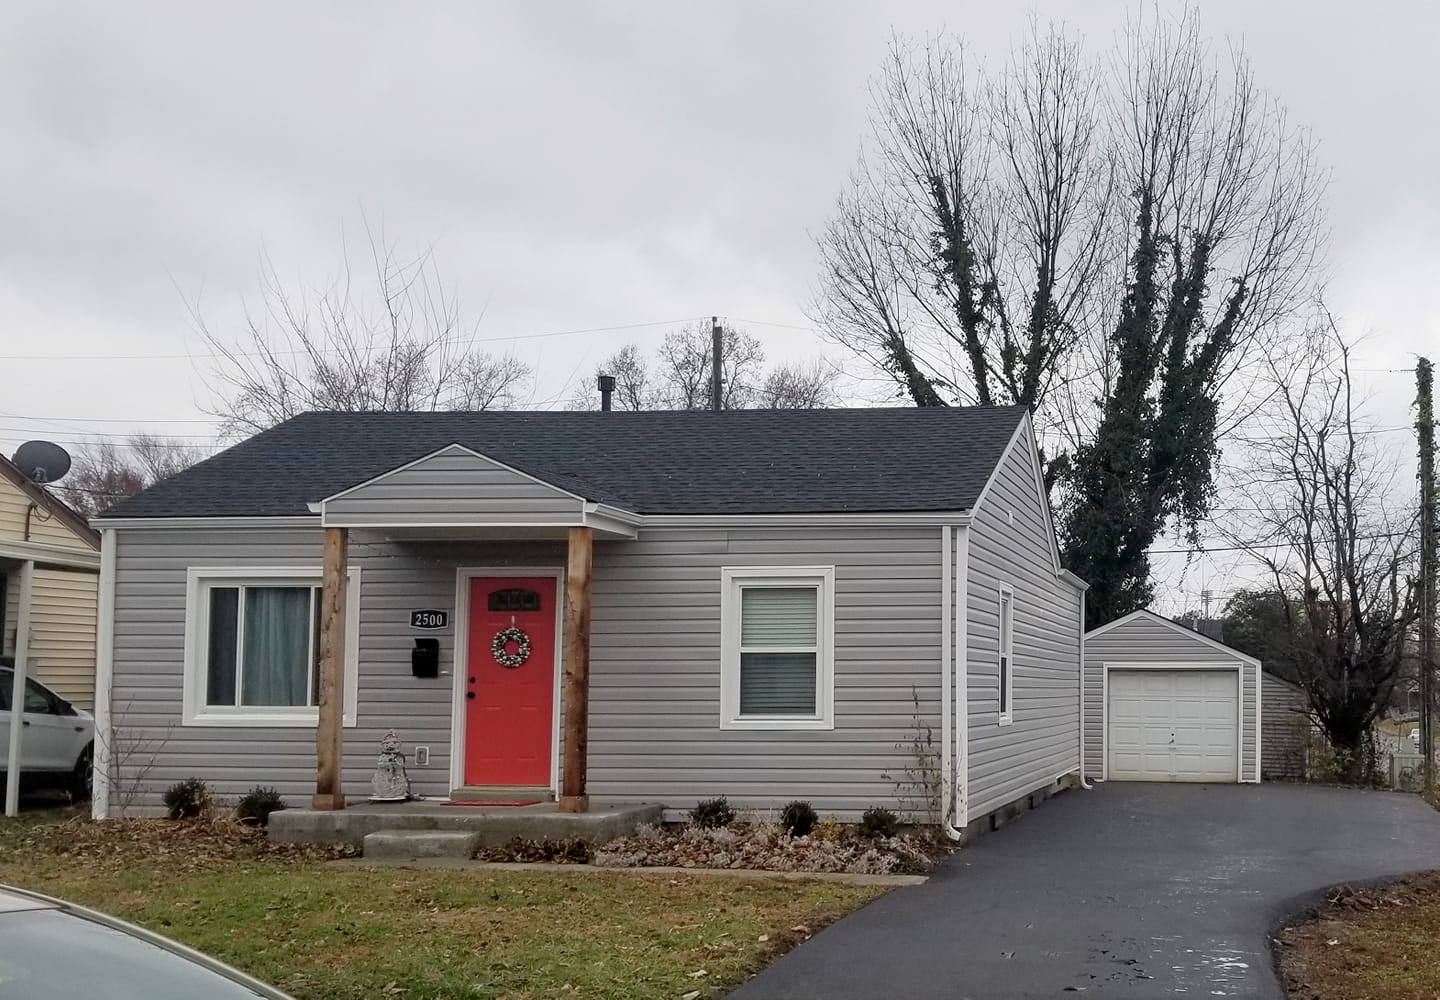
x,y
755,846
1380,943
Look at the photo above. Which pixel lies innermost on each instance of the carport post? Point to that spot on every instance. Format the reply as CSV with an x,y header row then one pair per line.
x,y
17,692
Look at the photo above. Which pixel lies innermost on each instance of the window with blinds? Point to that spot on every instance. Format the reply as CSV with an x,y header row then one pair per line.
x,y
776,648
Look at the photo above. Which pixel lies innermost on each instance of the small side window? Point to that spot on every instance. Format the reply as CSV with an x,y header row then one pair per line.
x,y
1006,676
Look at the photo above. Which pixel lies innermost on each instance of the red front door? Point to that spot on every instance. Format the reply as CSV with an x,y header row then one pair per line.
x,y
510,687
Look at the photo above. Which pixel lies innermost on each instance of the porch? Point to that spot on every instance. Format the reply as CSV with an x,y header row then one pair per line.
x,y
520,641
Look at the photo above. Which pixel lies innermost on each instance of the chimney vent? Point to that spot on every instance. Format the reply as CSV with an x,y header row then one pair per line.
x,y
607,387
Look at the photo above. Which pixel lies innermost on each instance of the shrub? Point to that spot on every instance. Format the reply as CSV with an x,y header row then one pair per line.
x,y
713,813
878,822
187,799
256,805
798,818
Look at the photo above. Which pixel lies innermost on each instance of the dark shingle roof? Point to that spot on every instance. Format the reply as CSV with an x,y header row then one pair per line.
x,y
742,461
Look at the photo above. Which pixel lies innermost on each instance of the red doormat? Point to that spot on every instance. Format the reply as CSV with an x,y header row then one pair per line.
x,y
494,802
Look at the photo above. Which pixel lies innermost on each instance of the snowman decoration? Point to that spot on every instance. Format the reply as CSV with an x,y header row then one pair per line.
x,y
391,783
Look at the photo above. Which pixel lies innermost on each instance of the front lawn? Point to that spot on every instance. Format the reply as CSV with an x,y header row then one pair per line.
x,y
327,932
1368,944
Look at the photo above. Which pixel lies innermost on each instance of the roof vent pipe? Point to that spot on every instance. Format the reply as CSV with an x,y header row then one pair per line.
x,y
607,388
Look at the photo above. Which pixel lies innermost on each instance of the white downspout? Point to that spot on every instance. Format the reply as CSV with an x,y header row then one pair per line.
x,y
947,684
1083,671
962,678
104,679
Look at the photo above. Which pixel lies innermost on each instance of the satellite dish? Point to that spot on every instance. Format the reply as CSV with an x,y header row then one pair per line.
x,y
43,461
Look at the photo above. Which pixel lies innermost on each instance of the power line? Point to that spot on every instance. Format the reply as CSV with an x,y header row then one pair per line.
x,y
1204,549
300,351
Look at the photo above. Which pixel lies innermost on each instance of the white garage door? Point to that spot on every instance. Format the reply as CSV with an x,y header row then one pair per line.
x,y
1173,725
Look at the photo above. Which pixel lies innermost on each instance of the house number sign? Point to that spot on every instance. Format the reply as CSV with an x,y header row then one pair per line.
x,y
429,619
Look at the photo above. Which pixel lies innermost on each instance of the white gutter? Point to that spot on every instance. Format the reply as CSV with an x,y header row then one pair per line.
x,y
17,691
962,677
1083,783
104,679
1259,686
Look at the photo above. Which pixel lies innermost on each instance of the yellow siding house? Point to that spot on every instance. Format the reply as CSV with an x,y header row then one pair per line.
x,y
43,539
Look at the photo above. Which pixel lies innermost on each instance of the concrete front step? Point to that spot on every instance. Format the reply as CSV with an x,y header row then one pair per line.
x,y
490,825
416,845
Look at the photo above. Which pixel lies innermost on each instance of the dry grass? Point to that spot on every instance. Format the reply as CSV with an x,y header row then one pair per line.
x,y
325,932
1368,944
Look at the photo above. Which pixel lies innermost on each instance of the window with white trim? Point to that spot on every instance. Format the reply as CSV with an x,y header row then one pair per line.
x,y
253,647
777,648
1006,657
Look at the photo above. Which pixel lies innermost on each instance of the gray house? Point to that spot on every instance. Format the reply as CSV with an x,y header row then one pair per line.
x,y
854,607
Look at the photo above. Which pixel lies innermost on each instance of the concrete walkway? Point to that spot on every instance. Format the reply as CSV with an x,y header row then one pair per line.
x,y
1132,890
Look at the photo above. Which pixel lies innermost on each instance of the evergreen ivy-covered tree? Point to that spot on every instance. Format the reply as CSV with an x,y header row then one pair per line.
x,y
1115,243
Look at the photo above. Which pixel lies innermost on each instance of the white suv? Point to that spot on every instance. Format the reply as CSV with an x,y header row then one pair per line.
x,y
57,747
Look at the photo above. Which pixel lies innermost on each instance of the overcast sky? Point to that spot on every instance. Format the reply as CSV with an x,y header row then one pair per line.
x,y
573,166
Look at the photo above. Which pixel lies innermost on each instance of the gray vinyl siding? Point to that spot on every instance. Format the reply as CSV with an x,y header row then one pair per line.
x,y
1042,743
153,749
1145,641
451,487
1284,727
655,670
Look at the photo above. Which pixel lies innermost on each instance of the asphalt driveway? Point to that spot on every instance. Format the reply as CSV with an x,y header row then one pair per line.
x,y
1131,890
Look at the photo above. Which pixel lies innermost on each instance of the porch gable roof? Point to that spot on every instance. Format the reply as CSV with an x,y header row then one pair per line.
x,y
456,486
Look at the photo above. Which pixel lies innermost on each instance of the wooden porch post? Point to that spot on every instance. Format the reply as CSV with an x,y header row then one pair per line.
x,y
329,756
577,670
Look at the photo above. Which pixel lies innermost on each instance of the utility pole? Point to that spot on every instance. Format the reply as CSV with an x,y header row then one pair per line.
x,y
716,349
1429,570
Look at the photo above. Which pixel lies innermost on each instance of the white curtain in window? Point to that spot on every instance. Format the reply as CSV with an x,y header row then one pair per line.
x,y
277,646
778,630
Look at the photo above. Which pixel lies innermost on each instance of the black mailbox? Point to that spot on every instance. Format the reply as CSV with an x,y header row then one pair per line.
x,y
425,658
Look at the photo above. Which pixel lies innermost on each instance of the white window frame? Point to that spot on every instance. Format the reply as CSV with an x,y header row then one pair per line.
x,y
1005,655
733,580
198,583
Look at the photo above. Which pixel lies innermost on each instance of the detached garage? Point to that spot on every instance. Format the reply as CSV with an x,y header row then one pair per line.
x,y
1165,703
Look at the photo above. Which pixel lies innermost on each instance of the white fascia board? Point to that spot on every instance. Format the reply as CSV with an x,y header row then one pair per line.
x,y
891,520
50,555
284,521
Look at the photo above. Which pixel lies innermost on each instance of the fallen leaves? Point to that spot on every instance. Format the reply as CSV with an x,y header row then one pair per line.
x,y
765,846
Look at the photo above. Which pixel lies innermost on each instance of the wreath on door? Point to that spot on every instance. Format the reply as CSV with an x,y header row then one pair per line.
x,y
500,647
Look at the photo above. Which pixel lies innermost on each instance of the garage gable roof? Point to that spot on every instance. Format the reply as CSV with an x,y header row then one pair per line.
x,y
1174,626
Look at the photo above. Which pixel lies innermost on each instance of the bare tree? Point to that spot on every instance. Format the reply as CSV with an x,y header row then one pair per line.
x,y
967,254
1335,544
105,471
1065,231
799,386
683,368
390,339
